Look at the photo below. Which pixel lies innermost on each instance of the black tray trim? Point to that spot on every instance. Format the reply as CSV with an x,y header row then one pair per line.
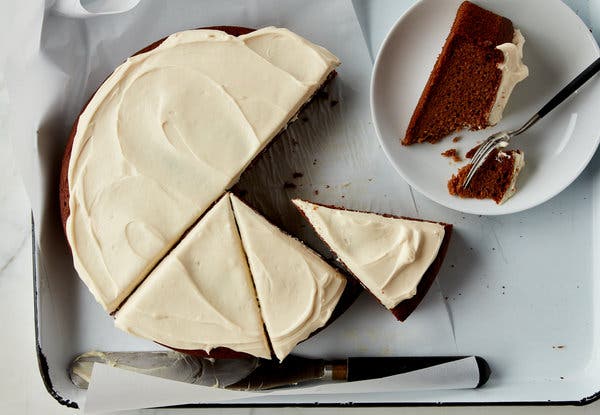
x,y
41,358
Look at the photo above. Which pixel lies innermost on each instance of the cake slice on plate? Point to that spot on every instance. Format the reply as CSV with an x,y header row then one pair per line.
x,y
472,79
297,290
395,258
200,297
496,179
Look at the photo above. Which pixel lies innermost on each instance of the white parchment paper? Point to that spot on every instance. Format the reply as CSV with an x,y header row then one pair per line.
x,y
64,55
113,389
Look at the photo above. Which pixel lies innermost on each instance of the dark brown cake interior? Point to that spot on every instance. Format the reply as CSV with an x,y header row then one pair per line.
x,y
462,87
491,181
453,154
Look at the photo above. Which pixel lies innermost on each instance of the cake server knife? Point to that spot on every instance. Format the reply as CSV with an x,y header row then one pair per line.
x,y
253,374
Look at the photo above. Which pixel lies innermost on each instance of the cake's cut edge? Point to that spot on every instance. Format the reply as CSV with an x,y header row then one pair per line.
x,y
403,309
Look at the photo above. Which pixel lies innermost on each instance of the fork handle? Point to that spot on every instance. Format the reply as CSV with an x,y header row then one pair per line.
x,y
573,86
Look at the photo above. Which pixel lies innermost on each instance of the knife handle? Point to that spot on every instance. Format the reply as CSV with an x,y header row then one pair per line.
x,y
363,368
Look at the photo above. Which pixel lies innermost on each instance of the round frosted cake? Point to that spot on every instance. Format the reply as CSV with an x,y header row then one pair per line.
x,y
153,233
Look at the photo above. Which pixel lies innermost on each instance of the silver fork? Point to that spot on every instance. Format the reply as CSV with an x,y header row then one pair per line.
x,y
502,138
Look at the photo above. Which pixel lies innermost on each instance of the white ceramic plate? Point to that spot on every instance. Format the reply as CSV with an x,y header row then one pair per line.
x,y
558,46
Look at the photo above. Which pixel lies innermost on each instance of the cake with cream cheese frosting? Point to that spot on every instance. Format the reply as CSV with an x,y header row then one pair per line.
x,y
473,77
297,290
202,298
201,295
167,133
496,179
395,258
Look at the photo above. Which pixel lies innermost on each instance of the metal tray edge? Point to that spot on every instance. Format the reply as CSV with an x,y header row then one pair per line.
x,y
41,358
46,378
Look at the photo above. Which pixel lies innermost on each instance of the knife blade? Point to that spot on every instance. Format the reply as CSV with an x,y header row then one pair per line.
x,y
172,365
252,374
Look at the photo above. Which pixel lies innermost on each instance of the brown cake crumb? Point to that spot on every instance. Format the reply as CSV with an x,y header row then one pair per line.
x,y
453,154
297,175
288,185
456,139
491,181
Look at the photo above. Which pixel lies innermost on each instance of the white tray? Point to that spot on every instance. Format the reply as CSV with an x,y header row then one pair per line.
x,y
518,290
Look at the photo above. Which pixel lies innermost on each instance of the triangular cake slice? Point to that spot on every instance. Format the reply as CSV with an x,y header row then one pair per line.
x,y
297,290
496,179
395,258
473,77
201,296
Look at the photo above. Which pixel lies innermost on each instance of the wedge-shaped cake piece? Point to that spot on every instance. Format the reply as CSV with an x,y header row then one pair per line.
x,y
297,290
201,295
496,179
395,258
166,134
473,77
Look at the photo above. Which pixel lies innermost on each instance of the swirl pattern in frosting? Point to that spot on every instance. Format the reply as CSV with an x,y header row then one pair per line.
x,y
166,134
388,255
297,290
201,295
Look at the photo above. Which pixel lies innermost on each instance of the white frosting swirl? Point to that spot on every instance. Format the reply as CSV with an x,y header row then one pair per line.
x,y
513,71
200,296
388,255
297,290
166,134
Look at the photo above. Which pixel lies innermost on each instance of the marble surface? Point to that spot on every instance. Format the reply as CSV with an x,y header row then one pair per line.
x,y
21,388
